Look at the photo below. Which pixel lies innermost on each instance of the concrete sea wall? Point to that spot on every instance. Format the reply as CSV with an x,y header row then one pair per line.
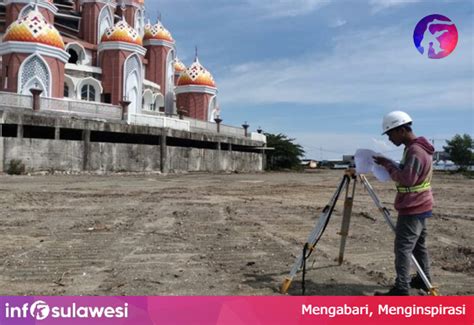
x,y
45,141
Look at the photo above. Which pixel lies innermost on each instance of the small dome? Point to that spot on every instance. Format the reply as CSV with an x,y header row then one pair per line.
x,y
157,32
34,28
122,32
179,66
196,75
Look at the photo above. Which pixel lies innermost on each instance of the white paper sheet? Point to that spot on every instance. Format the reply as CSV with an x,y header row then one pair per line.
x,y
365,164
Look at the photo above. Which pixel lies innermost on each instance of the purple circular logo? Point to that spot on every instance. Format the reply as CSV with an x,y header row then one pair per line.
x,y
435,36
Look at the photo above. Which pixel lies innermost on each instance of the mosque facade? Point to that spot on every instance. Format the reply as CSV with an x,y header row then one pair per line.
x,y
100,51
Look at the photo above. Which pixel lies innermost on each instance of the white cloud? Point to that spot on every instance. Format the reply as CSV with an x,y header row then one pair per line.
x,y
380,68
337,23
379,5
286,8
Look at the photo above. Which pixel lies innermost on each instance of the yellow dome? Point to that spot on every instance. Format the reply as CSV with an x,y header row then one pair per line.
x,y
122,32
196,75
157,32
179,66
34,28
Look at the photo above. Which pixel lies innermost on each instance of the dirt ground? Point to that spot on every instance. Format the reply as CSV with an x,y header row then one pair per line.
x,y
219,234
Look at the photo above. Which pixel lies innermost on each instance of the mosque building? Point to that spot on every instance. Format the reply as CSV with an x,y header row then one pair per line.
x,y
100,51
94,86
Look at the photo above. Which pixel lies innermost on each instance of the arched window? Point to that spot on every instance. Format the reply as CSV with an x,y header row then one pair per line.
x,y
74,57
88,93
140,22
89,89
159,103
69,87
213,109
105,21
77,53
34,73
148,102
133,83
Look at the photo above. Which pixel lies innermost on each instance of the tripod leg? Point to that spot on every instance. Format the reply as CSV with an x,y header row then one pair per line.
x,y
432,290
346,219
315,234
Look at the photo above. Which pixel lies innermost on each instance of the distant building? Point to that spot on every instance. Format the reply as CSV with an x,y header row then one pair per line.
x,y
441,156
348,159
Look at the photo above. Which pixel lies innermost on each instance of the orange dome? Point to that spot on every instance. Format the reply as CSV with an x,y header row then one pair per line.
x,y
157,32
196,75
122,32
34,28
179,66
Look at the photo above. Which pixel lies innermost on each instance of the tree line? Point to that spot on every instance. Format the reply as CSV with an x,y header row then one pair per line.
x,y
287,155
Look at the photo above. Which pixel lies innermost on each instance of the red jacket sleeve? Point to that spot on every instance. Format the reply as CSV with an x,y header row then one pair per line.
x,y
407,174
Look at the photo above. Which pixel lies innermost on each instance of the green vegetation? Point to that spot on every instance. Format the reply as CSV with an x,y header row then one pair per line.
x,y
460,149
16,167
286,154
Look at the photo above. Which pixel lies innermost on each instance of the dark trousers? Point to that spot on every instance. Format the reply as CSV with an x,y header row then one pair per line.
x,y
410,239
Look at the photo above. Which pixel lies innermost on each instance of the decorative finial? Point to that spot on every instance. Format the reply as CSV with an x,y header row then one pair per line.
x,y
195,53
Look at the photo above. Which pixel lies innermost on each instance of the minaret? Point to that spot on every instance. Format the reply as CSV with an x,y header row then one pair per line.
x,y
196,92
121,56
160,55
13,9
97,17
33,56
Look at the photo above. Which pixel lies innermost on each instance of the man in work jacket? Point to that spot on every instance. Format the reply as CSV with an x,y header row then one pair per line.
x,y
414,200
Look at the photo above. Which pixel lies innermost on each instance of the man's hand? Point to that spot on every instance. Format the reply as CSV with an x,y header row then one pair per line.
x,y
381,160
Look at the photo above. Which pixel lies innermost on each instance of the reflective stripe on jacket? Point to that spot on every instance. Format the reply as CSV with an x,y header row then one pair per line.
x,y
425,185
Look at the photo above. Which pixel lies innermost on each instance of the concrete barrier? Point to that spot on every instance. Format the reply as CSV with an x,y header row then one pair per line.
x,y
45,141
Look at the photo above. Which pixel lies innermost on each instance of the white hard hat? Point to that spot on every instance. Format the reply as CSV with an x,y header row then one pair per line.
x,y
395,119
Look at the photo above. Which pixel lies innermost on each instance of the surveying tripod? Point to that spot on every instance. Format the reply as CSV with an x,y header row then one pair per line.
x,y
318,230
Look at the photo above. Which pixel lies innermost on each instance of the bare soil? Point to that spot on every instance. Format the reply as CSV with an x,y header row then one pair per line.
x,y
213,234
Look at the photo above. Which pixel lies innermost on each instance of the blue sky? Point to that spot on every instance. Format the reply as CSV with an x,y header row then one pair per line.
x,y
326,71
